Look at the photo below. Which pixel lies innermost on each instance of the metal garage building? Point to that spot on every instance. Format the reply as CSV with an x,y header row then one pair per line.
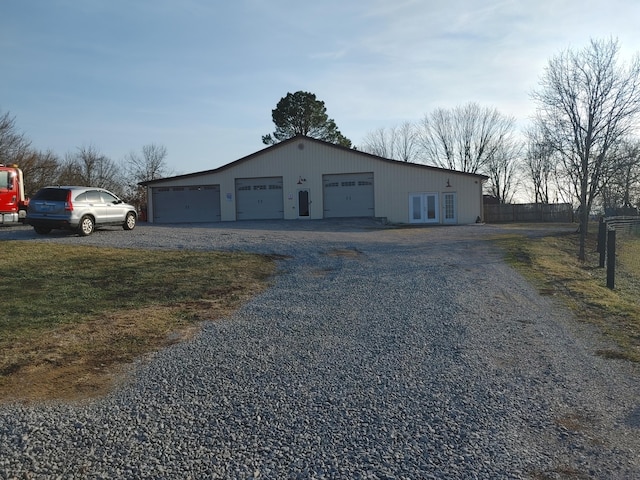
x,y
305,178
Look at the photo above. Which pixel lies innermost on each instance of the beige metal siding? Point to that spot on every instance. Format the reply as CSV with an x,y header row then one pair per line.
x,y
302,163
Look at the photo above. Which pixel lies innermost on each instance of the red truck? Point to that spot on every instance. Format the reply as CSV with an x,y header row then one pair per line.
x,y
13,204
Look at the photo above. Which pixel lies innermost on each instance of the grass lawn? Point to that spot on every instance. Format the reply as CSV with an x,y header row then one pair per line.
x,y
73,316
551,264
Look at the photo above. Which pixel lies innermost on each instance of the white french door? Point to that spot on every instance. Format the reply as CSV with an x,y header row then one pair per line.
x,y
449,208
423,208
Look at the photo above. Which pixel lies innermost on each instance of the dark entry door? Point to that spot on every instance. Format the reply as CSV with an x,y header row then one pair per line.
x,y
303,203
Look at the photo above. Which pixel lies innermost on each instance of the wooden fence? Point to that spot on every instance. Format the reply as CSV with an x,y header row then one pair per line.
x,y
528,212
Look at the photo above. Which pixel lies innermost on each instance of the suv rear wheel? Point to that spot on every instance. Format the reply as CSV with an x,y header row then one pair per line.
x,y
86,226
42,230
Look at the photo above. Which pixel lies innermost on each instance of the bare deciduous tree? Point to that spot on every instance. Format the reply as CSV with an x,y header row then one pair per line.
x,y
587,102
89,167
621,188
397,143
151,165
464,138
13,144
380,142
406,142
40,169
540,165
502,169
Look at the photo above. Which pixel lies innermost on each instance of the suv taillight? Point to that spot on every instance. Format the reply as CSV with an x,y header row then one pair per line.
x,y
68,206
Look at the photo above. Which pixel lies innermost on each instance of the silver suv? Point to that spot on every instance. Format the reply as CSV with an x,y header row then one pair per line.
x,y
78,208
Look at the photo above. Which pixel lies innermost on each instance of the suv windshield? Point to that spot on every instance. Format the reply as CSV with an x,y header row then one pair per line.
x,y
5,180
51,194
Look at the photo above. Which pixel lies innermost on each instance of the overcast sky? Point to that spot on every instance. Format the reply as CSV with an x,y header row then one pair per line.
x,y
201,77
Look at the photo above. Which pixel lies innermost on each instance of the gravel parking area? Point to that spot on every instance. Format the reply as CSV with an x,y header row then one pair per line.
x,y
378,353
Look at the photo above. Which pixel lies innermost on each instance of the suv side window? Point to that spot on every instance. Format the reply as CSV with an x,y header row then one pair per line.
x,y
93,196
108,198
81,198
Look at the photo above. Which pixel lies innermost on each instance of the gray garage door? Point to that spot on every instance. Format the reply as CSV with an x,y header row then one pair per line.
x,y
259,198
348,195
186,204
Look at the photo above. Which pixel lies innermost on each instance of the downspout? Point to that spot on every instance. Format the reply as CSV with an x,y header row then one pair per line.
x,y
481,216
149,204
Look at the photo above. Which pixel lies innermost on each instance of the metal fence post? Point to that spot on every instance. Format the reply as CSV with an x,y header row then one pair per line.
x,y
611,258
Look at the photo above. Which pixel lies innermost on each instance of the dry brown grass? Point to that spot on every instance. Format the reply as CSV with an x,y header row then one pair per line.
x,y
77,350
551,263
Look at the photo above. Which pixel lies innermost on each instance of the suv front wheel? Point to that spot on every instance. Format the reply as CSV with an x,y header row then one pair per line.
x,y
129,221
86,226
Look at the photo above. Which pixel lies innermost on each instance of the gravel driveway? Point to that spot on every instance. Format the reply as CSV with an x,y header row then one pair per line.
x,y
378,353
